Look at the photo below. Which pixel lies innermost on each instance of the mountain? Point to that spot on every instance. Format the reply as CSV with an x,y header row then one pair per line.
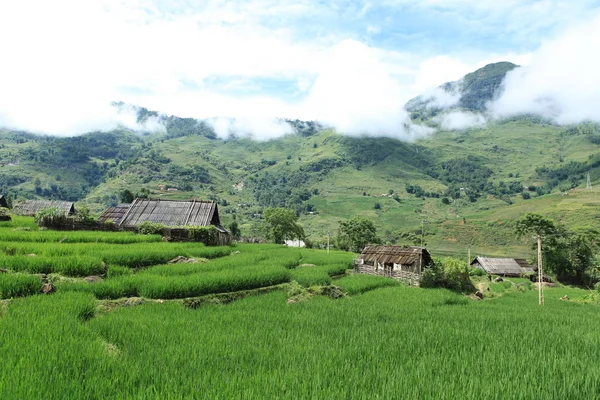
x,y
463,187
472,92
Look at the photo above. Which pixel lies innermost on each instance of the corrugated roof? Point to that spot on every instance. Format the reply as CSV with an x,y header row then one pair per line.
x,y
32,207
395,254
171,213
501,266
114,214
525,265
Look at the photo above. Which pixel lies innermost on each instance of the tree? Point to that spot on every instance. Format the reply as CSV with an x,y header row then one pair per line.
x,y
570,256
234,228
535,224
356,233
126,196
282,223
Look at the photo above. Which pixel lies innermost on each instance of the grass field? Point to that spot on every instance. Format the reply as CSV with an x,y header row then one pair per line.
x,y
134,335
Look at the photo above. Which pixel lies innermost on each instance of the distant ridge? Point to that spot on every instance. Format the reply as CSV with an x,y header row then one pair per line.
x,y
475,89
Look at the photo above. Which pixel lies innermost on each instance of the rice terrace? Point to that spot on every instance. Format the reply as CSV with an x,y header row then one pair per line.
x,y
266,321
260,199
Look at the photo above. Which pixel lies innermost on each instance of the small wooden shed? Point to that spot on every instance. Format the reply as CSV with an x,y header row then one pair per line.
x,y
502,266
403,263
32,207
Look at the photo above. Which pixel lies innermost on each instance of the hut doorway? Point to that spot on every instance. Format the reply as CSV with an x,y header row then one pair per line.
x,y
387,270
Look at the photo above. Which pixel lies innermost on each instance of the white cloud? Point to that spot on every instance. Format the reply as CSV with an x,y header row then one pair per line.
x,y
66,62
257,128
460,120
561,82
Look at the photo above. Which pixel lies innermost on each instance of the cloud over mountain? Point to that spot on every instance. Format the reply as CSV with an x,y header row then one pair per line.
x,y
256,61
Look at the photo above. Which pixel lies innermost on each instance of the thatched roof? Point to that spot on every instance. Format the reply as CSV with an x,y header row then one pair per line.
x,y
501,266
114,214
396,254
3,202
171,213
32,207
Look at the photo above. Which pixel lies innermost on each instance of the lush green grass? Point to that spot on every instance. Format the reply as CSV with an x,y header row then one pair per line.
x,y
9,234
422,343
357,284
311,276
18,285
430,343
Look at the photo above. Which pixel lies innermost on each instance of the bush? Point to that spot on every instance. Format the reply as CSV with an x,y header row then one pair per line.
x,y
203,234
84,216
50,217
149,228
449,273
476,272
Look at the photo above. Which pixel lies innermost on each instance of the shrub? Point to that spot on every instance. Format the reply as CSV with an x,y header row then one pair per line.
x,y
50,217
449,273
476,272
204,234
84,216
149,228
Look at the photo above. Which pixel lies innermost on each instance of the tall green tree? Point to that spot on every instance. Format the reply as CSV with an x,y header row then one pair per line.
x,y
282,224
126,196
356,233
570,256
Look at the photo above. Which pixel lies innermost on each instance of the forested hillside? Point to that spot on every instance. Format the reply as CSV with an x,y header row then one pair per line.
x,y
462,187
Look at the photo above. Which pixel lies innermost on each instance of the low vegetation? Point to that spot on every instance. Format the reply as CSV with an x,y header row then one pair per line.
x,y
259,318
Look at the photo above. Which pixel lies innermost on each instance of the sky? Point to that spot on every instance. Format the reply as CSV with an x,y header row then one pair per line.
x,y
244,64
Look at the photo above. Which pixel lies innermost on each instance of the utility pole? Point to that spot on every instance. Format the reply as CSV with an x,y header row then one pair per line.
x,y
469,257
589,181
328,234
422,232
540,270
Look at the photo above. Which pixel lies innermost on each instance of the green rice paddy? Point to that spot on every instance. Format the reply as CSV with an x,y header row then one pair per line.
x,y
381,340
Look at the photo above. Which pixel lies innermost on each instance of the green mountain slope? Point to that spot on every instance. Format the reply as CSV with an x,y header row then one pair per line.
x,y
464,188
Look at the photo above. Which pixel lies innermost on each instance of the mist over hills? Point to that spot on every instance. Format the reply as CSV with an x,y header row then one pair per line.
x,y
473,92
467,183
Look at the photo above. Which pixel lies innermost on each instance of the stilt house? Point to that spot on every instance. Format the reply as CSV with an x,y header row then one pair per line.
x,y
403,263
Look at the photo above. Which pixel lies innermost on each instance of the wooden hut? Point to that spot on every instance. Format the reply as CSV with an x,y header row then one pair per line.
x,y
403,263
3,202
32,207
114,214
502,266
171,213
